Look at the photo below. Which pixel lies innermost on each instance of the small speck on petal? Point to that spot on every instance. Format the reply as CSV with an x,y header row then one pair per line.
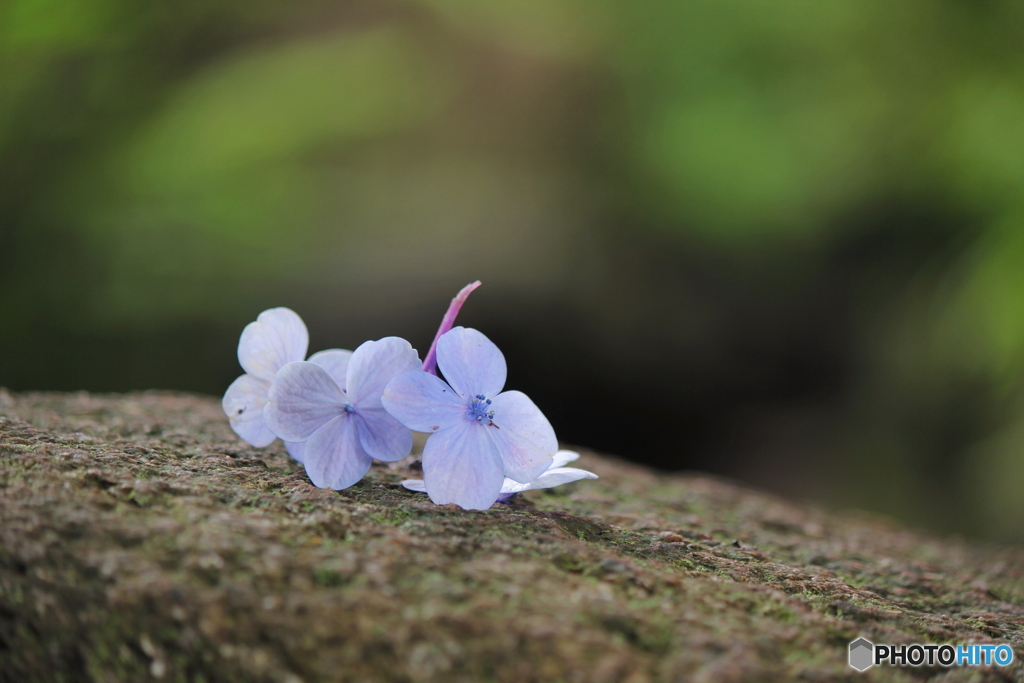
x,y
243,403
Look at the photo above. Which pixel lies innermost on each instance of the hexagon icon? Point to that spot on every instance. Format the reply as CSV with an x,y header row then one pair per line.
x,y
862,653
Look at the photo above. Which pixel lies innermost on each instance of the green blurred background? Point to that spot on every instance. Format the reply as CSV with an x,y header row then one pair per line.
x,y
778,241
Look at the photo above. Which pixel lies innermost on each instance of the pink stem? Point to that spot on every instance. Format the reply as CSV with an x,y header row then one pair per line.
x,y
430,362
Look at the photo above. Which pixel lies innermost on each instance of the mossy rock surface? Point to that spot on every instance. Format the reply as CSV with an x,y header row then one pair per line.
x,y
141,540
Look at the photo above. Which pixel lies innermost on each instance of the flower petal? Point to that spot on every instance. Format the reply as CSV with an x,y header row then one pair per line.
x,y
471,363
278,337
417,485
243,404
374,364
335,362
296,449
334,457
462,466
524,437
382,436
562,458
423,402
550,479
302,398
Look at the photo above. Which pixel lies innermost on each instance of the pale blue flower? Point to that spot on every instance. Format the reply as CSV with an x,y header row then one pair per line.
x,y
278,337
335,362
479,435
339,415
556,475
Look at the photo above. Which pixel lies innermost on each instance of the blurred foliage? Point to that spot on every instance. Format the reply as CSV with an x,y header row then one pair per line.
x,y
792,214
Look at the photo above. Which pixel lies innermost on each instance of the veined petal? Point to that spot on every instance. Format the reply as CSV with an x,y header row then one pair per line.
x,y
462,466
550,479
334,457
417,485
335,362
523,436
302,398
471,363
243,404
278,337
296,449
374,364
562,458
423,402
381,435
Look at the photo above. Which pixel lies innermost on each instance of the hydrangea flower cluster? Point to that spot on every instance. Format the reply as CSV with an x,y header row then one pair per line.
x,y
340,410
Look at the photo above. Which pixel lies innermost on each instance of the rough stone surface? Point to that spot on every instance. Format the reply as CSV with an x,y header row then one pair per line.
x,y
141,540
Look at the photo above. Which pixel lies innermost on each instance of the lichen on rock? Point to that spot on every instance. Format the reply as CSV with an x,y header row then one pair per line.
x,y
141,540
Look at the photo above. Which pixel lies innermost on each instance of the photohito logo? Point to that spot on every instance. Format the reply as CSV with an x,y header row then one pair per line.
x,y
864,654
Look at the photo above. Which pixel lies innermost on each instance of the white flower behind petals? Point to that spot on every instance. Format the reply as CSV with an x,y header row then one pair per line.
x,y
556,475
276,338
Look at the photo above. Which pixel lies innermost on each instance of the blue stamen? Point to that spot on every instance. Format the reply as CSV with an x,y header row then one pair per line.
x,y
478,410
349,408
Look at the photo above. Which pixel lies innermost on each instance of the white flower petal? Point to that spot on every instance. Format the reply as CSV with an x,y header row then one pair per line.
x,y
278,337
562,458
550,479
243,404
